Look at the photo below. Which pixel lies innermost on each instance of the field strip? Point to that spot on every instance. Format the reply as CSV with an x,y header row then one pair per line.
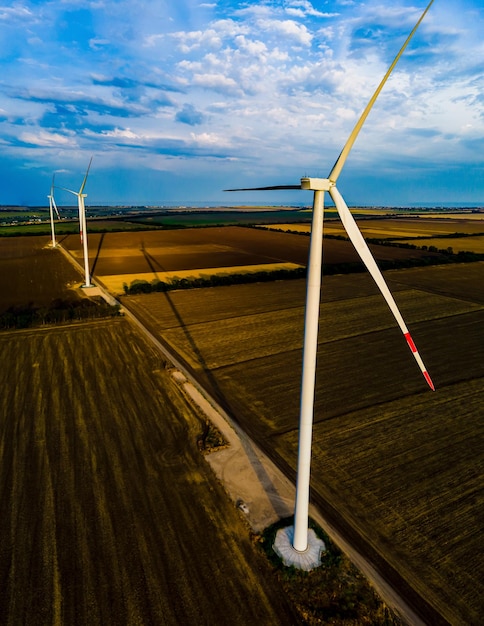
x,y
115,283
473,243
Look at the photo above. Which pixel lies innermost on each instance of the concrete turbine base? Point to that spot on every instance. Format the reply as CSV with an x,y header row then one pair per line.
x,y
307,560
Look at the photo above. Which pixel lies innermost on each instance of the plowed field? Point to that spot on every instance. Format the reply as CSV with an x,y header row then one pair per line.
x,y
33,273
399,463
109,513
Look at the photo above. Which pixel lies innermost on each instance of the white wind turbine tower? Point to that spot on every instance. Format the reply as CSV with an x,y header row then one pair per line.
x,y
52,208
298,545
82,223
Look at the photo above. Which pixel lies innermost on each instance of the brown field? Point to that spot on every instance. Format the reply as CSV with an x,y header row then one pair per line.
x,y
399,227
399,463
31,272
109,513
156,252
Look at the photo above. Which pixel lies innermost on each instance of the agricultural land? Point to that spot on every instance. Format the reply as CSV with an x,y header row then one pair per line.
x,y
109,514
120,259
398,463
396,467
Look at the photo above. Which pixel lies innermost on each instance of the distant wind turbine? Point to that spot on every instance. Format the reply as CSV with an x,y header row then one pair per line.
x,y
82,223
296,545
52,208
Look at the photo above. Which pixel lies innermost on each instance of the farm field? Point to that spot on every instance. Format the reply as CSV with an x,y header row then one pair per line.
x,y
401,227
189,218
458,244
32,273
215,331
399,463
109,513
148,255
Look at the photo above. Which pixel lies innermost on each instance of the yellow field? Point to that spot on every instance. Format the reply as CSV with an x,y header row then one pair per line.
x,y
458,244
457,216
115,284
397,227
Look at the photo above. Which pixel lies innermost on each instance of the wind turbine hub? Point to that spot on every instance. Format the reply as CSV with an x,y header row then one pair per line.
x,y
316,184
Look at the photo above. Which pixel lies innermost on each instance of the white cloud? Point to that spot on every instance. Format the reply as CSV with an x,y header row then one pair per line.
x,y
287,28
44,138
209,139
121,133
217,82
8,14
301,8
252,47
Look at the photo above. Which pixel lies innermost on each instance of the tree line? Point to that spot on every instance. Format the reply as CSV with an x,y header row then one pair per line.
x,y
59,311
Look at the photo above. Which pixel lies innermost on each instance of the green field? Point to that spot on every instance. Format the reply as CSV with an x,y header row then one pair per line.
x,y
399,463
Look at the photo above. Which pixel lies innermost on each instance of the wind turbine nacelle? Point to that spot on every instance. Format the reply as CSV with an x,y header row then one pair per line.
x,y
316,184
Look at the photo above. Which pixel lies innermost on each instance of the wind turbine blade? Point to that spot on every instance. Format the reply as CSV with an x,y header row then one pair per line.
x,y
74,193
52,197
55,207
338,166
85,177
361,246
266,188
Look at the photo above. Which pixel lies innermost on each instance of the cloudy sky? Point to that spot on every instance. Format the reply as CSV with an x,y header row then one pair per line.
x,y
178,99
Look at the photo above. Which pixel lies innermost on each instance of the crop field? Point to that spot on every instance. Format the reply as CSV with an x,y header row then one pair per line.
x,y
400,227
458,244
117,283
148,255
401,464
460,215
109,513
33,273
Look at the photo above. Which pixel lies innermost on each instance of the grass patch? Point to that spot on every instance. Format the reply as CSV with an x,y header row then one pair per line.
x,y
334,593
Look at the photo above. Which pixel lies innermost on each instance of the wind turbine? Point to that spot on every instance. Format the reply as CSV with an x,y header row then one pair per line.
x,y
52,207
298,545
82,223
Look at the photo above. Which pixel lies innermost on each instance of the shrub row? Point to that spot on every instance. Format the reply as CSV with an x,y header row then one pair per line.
x,y
217,280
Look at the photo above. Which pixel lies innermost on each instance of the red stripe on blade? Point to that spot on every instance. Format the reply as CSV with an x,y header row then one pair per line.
x,y
429,380
409,339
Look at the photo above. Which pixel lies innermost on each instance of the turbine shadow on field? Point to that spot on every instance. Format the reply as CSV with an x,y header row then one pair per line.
x,y
151,261
262,475
98,252
270,489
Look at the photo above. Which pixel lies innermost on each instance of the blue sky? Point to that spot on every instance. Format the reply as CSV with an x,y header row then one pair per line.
x,y
178,99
